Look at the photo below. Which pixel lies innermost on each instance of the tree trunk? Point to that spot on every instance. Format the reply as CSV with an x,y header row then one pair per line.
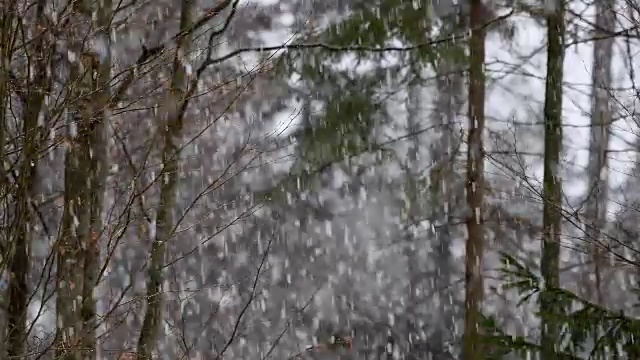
x,y
75,229
165,220
7,34
19,263
596,205
71,244
552,187
474,291
77,244
96,126
85,172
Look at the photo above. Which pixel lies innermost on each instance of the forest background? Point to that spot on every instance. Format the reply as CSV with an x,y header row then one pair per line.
x,y
347,179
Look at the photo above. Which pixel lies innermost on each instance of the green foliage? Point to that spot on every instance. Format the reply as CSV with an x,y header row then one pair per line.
x,y
339,129
343,130
374,23
381,23
351,106
350,113
589,331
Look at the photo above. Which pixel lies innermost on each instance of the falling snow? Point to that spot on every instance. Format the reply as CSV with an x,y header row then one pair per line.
x,y
282,197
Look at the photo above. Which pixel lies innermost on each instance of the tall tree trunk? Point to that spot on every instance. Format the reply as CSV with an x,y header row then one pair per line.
x,y
552,187
75,229
596,205
474,291
165,221
96,126
77,246
7,36
7,24
19,264
71,244
85,172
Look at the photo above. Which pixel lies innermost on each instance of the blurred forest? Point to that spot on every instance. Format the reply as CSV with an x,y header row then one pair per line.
x,y
319,179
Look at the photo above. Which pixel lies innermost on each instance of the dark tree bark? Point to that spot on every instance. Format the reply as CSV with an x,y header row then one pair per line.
x,y
32,102
96,119
474,292
552,187
172,130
